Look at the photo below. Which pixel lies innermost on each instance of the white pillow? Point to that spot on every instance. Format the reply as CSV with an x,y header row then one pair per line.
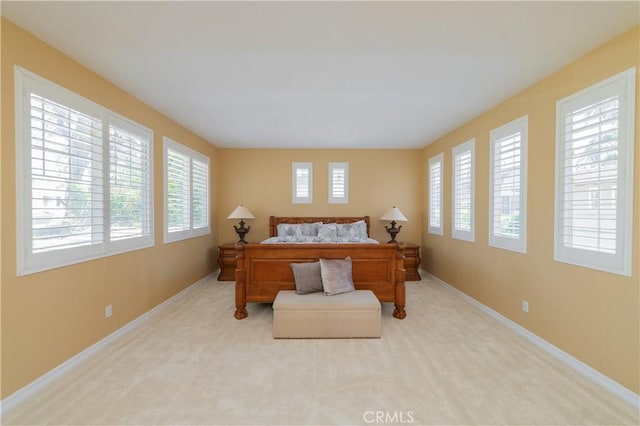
x,y
289,231
354,231
328,231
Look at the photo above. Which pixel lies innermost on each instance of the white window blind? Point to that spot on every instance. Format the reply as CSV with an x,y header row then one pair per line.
x,y
66,176
302,186
178,191
186,192
435,194
72,171
463,191
200,194
130,181
594,175
338,183
508,186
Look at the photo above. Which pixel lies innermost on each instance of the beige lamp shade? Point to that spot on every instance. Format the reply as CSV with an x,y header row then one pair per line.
x,y
394,215
241,212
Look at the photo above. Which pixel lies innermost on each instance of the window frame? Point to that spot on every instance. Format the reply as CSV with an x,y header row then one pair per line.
x,y
333,199
295,166
519,244
436,159
622,85
28,262
191,232
460,234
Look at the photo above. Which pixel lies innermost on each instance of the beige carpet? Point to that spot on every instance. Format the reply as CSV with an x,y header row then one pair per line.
x,y
446,363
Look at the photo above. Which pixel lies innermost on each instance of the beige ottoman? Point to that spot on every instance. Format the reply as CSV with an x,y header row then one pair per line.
x,y
354,314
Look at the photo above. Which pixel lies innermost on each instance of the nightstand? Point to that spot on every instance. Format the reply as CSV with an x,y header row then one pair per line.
x,y
412,262
227,262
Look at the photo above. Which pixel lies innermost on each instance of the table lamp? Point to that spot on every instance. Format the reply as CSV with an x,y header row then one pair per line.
x,y
393,215
241,212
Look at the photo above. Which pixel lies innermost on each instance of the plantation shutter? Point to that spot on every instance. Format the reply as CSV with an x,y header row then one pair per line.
x,y
463,191
463,157
594,187
590,174
338,181
66,177
80,178
337,187
507,199
200,194
178,191
507,159
186,192
435,195
302,183
129,181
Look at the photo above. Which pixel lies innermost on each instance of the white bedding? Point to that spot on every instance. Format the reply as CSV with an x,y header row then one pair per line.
x,y
304,239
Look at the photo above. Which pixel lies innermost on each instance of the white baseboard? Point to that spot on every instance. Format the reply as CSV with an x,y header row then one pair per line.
x,y
582,368
29,390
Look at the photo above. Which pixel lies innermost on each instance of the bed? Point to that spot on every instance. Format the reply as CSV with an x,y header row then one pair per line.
x,y
262,270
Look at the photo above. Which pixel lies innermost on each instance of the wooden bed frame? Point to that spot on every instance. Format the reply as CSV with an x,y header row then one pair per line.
x,y
264,269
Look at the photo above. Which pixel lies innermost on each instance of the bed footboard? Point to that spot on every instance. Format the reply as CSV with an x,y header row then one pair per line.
x,y
264,269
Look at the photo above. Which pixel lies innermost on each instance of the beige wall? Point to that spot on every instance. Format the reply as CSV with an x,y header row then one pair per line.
x,y
592,315
378,179
50,316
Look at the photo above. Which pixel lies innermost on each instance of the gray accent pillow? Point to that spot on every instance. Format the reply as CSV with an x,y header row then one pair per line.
x,y
336,276
307,277
354,231
328,231
291,231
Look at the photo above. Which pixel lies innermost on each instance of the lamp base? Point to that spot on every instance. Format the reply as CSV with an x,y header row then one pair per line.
x,y
241,231
393,231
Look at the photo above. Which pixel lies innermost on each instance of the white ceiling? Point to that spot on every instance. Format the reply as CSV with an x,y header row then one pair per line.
x,y
323,74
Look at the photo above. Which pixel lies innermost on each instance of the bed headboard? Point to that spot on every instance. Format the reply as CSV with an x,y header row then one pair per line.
x,y
274,221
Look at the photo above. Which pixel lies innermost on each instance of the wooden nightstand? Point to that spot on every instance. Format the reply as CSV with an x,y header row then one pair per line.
x,y
227,262
412,262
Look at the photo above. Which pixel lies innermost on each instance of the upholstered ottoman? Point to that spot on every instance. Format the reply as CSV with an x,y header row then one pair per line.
x,y
353,314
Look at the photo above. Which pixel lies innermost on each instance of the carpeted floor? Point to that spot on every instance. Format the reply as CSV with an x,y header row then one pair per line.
x,y
446,363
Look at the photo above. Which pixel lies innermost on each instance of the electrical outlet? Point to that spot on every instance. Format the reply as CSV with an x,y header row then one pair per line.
x,y
525,306
108,311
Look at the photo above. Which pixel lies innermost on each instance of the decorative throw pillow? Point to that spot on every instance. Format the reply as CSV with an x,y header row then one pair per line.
x,y
307,277
327,231
354,231
290,231
336,276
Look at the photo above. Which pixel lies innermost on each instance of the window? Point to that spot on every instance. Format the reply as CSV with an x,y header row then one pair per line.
x,y
200,194
508,186
435,194
84,177
594,175
186,192
129,181
463,191
338,183
302,186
